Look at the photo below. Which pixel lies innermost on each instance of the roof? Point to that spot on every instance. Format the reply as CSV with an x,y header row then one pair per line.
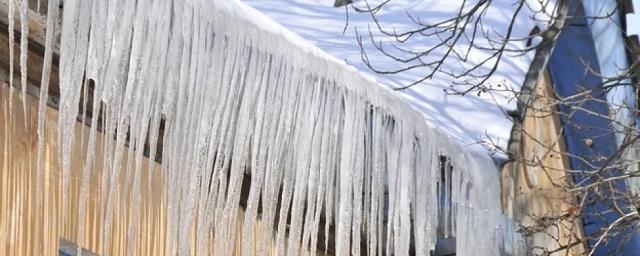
x,y
468,119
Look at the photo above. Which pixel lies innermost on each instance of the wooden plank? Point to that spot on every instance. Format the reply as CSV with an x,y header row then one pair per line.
x,y
533,185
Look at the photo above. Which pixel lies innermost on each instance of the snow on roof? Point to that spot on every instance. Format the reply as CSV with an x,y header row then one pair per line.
x,y
469,118
266,24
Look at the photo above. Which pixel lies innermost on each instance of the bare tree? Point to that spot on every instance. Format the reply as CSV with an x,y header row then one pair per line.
x,y
467,27
600,187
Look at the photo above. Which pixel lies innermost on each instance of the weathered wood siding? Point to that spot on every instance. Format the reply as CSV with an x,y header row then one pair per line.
x,y
23,229
532,185
27,230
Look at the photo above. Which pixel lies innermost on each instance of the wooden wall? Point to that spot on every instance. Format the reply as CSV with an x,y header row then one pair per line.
x,y
26,228
532,186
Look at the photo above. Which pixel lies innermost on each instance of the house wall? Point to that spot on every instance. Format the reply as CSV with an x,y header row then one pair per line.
x,y
26,229
532,186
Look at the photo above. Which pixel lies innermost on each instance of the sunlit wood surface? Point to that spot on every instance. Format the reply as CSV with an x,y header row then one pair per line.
x,y
27,230
532,186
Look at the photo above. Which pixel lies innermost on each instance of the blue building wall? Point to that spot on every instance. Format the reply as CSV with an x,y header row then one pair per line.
x,y
573,67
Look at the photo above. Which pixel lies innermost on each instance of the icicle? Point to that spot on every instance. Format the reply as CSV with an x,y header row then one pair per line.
x,y
73,44
331,187
393,154
52,18
289,176
273,176
402,227
316,175
12,39
343,232
425,224
377,185
208,183
142,111
115,118
368,153
258,158
24,52
93,64
358,173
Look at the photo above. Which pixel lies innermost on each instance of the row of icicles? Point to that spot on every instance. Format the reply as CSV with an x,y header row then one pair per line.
x,y
262,147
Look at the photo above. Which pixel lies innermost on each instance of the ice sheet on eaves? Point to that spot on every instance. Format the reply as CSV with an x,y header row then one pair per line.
x,y
469,118
267,24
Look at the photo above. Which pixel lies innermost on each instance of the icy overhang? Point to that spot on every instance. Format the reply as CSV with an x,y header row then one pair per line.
x,y
467,119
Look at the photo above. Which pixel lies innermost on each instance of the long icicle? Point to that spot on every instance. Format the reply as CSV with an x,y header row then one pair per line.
x,y
52,18
12,39
24,52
